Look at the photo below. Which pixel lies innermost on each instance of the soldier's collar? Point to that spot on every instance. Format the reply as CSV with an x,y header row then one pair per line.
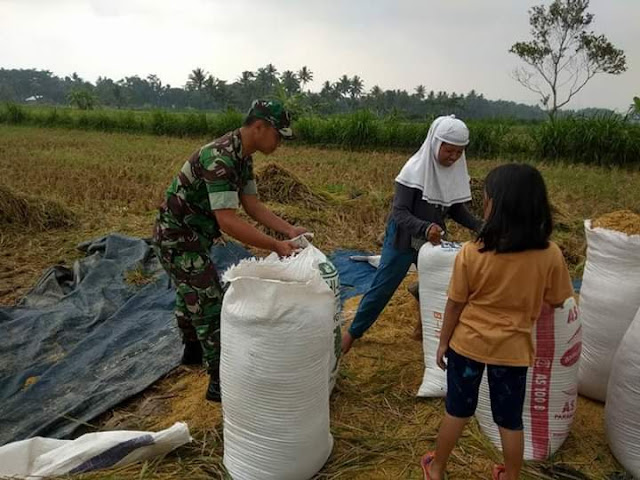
x,y
236,141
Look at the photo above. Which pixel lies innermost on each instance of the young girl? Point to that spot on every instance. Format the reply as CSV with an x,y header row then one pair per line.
x,y
497,289
433,185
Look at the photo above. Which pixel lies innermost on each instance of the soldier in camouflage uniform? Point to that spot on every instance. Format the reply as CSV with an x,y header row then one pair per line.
x,y
200,204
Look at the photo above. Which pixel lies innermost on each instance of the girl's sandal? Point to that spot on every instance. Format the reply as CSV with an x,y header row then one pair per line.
x,y
425,462
497,471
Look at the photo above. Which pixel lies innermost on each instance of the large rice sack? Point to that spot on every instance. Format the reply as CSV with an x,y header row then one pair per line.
x,y
609,298
622,409
277,336
330,275
552,384
435,266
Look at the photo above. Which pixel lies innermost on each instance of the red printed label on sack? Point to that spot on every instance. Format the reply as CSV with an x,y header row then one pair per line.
x,y
572,355
540,387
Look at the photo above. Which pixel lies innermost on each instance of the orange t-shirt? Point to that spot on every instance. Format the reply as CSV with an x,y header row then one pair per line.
x,y
503,293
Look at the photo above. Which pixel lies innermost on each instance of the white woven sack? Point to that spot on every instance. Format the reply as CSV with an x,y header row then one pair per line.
x,y
622,410
609,299
277,337
435,266
552,384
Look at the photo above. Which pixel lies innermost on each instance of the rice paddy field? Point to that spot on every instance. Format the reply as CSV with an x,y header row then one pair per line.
x,y
60,187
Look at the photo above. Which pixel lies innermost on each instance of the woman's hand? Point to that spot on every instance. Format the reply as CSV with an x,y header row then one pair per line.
x,y
434,234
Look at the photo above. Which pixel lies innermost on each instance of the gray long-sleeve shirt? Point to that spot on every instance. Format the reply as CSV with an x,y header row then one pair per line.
x,y
413,215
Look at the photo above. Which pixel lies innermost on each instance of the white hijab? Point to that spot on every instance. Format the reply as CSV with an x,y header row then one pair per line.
x,y
439,185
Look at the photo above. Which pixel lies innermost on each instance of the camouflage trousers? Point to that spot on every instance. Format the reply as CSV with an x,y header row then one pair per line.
x,y
198,299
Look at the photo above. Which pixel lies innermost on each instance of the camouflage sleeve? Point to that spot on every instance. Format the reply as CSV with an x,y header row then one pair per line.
x,y
221,180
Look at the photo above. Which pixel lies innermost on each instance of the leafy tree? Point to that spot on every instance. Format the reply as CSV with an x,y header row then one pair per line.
x,y
82,99
634,110
564,54
17,85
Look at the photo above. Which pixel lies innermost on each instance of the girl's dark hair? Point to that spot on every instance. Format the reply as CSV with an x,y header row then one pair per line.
x,y
520,217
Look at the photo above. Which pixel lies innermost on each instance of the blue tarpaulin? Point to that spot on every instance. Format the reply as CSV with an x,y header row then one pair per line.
x,y
84,339
355,277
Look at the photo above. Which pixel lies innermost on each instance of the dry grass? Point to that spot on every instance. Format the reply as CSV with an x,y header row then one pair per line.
x,y
276,184
138,276
113,183
37,213
477,196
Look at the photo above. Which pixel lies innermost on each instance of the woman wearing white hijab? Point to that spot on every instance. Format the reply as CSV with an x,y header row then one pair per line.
x,y
432,185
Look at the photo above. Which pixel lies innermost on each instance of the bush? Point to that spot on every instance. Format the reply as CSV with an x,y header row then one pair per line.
x,y
221,123
603,140
15,114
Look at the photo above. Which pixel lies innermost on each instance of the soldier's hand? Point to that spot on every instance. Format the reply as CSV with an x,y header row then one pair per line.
x,y
434,234
296,231
285,249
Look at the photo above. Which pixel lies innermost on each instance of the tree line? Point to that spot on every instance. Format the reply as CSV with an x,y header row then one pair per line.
x,y
204,91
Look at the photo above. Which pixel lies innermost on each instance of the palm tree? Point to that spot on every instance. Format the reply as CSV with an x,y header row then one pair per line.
x,y
75,78
267,79
376,91
420,91
305,76
222,91
210,85
197,77
343,86
376,99
216,88
290,82
272,70
245,78
357,85
328,92
155,82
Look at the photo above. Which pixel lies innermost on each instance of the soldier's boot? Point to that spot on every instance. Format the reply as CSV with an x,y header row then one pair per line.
x,y
192,354
213,392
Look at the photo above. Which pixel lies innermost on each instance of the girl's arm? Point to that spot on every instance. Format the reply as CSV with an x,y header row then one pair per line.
x,y
403,214
461,214
452,313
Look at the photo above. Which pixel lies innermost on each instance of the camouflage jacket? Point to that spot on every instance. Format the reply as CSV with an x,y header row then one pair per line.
x,y
212,179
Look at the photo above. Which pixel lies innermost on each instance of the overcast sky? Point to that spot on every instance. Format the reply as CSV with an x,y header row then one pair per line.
x,y
452,45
